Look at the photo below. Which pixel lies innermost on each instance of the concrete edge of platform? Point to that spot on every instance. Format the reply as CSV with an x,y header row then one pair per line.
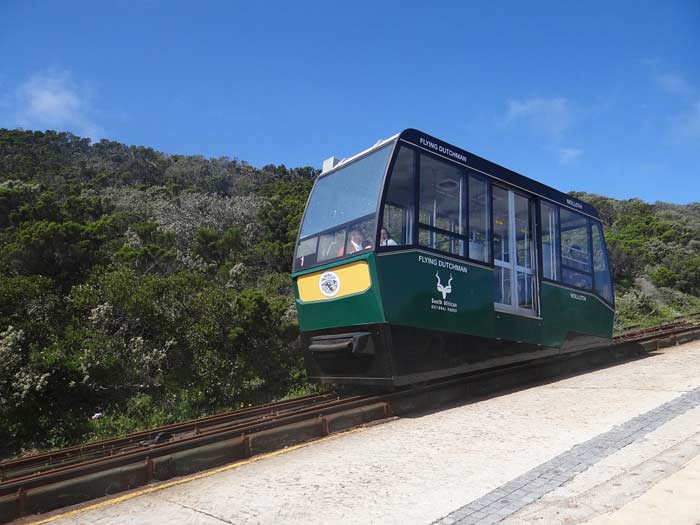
x,y
187,462
184,463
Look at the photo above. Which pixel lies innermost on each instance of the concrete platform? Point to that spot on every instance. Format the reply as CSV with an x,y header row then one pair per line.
x,y
618,445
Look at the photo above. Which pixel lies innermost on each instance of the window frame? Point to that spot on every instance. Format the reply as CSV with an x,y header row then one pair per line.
x,y
590,255
344,226
538,197
604,244
417,225
464,215
385,194
343,168
536,311
560,266
390,144
557,235
472,174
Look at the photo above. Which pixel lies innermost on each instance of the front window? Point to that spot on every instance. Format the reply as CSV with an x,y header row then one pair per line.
x,y
340,216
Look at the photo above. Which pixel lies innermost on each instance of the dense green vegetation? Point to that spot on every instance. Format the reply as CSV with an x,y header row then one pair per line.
x,y
154,288
654,252
145,286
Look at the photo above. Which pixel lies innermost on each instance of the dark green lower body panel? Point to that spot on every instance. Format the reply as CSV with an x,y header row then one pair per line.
x,y
427,316
400,355
411,281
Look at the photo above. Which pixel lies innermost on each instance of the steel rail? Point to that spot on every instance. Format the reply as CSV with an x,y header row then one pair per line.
x,y
245,420
9,469
62,473
683,321
109,446
21,468
270,427
649,334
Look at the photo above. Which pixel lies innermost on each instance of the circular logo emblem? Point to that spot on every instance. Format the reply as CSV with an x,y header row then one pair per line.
x,y
329,283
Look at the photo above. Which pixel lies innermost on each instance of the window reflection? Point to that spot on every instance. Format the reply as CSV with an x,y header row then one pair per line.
x,y
441,195
357,240
397,222
574,241
502,288
603,285
342,201
440,241
577,279
549,217
501,219
347,194
526,290
331,245
478,219
461,214
523,232
344,241
306,252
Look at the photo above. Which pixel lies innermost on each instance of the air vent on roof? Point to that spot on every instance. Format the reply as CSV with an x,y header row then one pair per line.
x,y
330,163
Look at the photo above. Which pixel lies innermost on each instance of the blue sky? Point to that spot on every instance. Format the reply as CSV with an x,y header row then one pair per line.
x,y
594,96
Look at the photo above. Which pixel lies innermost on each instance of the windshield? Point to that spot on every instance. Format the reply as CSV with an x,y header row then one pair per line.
x,y
342,210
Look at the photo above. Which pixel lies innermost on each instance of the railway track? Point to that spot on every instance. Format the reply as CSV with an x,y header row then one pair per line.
x,y
33,465
64,477
660,330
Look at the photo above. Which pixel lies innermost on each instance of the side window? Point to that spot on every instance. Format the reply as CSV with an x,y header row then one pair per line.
x,y
501,222
575,252
441,206
478,219
397,222
551,253
601,271
306,252
360,237
331,245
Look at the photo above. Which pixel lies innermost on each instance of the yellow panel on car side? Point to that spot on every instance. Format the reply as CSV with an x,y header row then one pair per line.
x,y
335,282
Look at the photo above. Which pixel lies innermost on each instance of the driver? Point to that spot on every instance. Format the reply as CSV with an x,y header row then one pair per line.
x,y
356,242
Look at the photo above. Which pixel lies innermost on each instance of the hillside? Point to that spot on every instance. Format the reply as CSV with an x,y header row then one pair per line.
x,y
146,286
154,288
654,252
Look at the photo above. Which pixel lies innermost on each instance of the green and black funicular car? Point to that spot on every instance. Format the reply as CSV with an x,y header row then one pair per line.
x,y
417,259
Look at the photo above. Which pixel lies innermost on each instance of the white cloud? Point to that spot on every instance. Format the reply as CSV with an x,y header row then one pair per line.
x,y
53,100
674,84
685,127
567,155
550,115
